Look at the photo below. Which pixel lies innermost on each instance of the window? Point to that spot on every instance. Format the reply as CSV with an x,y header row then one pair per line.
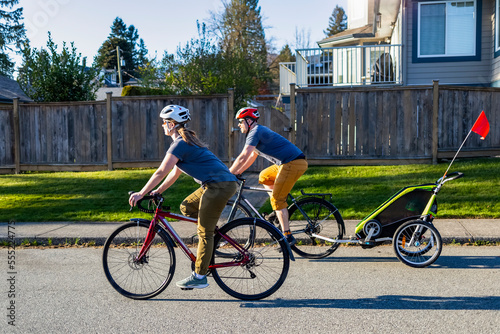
x,y
447,29
497,28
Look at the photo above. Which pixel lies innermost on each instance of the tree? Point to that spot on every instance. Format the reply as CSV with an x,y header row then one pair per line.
x,y
12,33
241,39
142,53
200,67
302,38
337,22
285,56
125,38
49,76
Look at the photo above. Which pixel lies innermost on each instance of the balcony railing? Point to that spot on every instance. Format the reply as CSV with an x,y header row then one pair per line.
x,y
343,66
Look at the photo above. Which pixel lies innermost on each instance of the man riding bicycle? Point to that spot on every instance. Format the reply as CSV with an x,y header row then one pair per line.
x,y
289,163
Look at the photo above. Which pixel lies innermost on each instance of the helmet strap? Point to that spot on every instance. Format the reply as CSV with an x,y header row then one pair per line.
x,y
169,131
248,125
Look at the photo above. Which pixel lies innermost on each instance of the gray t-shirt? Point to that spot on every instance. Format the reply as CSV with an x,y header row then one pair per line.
x,y
199,163
272,145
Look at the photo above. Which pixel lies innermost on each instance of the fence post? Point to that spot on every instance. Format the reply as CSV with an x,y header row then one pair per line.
x,y
230,117
435,111
17,137
293,113
109,131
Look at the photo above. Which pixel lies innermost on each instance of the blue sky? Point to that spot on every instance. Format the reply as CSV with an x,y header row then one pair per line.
x,y
163,24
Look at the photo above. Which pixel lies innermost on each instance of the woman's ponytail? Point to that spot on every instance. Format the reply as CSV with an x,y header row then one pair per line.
x,y
190,137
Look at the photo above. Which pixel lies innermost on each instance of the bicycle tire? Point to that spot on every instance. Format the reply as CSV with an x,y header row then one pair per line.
x,y
324,220
138,280
269,265
417,243
241,212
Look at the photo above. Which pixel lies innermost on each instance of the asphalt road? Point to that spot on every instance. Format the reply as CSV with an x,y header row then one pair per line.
x,y
355,290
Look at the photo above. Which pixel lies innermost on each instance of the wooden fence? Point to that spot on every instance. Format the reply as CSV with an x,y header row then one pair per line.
x,y
394,125
367,125
118,132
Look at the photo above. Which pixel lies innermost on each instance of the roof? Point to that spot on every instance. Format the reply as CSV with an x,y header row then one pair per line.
x,y
9,90
356,33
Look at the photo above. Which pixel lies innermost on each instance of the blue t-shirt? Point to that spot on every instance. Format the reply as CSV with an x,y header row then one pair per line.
x,y
271,145
199,163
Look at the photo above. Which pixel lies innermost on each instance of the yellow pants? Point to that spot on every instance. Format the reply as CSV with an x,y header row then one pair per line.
x,y
283,178
207,204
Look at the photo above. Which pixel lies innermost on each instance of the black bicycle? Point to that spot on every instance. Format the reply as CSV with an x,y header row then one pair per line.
x,y
310,215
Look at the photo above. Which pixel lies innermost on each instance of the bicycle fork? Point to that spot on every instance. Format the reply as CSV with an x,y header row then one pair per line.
x,y
147,241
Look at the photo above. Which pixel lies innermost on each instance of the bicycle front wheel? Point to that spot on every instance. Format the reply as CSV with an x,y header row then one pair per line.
x,y
138,279
268,259
316,230
417,243
240,212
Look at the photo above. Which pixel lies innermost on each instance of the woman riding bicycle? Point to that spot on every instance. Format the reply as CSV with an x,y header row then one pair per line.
x,y
187,154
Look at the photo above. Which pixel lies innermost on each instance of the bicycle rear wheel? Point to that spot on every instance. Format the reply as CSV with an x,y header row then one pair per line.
x,y
314,233
138,279
268,254
417,244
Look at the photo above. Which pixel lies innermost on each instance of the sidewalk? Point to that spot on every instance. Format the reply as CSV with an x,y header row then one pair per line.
x,y
460,230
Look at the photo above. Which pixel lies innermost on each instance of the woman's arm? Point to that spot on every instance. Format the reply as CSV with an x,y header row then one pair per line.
x,y
169,180
166,166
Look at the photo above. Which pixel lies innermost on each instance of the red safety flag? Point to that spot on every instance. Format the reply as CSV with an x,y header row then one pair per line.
x,y
482,126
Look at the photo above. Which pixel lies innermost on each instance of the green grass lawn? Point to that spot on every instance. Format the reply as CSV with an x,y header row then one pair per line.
x,y
357,191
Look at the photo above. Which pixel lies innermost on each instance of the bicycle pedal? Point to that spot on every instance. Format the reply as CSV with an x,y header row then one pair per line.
x,y
186,288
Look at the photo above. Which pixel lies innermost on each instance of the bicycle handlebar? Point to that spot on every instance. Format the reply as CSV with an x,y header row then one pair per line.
x,y
157,200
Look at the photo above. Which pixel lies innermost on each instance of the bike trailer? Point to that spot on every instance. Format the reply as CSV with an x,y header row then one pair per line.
x,y
407,204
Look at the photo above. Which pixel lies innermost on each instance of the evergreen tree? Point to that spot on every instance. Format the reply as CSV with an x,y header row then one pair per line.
x,y
12,34
285,56
241,38
125,38
337,22
142,53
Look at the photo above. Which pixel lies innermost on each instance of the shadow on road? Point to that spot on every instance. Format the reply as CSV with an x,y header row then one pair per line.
x,y
388,302
443,262
468,262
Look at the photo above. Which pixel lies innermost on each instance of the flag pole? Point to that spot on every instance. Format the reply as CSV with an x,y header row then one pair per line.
x,y
442,179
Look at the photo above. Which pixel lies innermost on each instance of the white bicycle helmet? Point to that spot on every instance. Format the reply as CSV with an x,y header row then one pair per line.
x,y
175,113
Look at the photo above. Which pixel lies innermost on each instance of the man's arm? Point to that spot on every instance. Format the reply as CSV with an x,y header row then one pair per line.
x,y
244,160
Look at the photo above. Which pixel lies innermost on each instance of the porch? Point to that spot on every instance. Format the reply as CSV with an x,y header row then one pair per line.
x,y
343,66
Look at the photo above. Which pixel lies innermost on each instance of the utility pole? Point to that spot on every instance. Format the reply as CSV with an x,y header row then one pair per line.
x,y
118,59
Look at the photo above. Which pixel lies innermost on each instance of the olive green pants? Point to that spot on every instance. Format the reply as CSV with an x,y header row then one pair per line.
x,y
207,204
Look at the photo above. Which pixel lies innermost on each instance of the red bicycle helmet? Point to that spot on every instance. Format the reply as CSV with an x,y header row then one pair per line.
x,y
248,112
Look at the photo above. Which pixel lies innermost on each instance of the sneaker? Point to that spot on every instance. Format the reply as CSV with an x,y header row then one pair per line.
x,y
291,240
272,218
193,283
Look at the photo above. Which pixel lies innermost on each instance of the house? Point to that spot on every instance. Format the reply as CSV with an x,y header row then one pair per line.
x,y
9,90
405,42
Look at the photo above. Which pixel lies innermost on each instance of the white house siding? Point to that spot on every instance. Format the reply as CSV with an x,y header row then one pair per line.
x,y
454,73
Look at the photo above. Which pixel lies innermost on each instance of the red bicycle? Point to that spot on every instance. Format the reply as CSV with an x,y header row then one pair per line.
x,y
139,258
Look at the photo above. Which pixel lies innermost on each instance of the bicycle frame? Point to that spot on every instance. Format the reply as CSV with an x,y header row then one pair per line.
x,y
241,198
160,217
